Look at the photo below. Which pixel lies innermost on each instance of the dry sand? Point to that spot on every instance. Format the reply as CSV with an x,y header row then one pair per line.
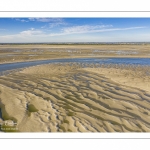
x,y
70,98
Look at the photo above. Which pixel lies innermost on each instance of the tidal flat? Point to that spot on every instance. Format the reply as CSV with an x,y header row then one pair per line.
x,y
27,52
75,96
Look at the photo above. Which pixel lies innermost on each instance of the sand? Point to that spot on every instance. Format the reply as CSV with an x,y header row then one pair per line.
x,y
21,53
70,98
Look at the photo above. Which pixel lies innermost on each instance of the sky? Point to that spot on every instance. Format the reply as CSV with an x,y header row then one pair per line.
x,y
34,30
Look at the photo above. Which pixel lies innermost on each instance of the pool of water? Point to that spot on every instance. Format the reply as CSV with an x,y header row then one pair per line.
x,y
0,114
131,61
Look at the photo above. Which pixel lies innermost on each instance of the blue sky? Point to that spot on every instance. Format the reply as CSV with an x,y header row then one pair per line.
x,y
26,30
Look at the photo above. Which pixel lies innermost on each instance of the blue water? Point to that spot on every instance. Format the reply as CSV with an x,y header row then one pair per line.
x,y
133,61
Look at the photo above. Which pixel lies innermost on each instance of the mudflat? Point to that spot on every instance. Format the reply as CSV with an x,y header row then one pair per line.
x,y
69,97
21,53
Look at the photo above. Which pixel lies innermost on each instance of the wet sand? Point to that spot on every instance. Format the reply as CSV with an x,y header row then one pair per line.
x,y
70,98
22,53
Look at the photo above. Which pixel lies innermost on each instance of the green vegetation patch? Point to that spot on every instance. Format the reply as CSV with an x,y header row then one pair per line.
x,y
47,98
62,128
70,113
67,107
69,130
39,95
5,115
31,108
66,121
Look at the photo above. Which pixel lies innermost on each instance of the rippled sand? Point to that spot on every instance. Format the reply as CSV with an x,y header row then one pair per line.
x,y
75,97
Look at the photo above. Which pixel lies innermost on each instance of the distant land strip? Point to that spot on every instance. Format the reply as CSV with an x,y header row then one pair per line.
x,y
75,11
80,43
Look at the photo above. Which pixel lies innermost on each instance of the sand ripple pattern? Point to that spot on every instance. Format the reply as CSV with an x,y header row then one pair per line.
x,y
76,97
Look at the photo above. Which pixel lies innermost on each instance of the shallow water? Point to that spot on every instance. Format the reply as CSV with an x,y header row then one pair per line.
x,y
126,61
118,52
0,114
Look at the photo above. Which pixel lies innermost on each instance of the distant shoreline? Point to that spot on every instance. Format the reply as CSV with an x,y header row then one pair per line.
x,y
80,43
32,52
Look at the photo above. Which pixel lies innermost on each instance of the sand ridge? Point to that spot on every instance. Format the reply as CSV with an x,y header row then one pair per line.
x,y
76,97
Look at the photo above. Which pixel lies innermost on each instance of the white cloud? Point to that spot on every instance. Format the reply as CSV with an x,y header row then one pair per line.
x,y
34,35
22,20
52,22
46,19
90,29
55,24
31,32
43,27
84,28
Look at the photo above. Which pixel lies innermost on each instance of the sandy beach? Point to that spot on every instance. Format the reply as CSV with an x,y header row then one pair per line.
x,y
67,97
